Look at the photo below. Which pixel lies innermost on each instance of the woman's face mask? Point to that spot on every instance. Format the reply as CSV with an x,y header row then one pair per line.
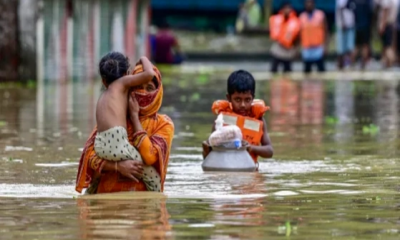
x,y
145,93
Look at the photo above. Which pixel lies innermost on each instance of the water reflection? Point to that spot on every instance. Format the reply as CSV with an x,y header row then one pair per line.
x,y
312,102
344,114
284,102
386,115
124,219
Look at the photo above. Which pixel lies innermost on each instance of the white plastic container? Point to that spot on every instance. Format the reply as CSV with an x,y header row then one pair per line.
x,y
228,136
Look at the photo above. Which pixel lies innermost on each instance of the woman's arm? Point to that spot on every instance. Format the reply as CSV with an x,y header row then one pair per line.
x,y
149,147
265,150
130,169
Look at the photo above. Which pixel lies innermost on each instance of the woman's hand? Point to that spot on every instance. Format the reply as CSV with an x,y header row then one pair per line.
x,y
133,104
131,169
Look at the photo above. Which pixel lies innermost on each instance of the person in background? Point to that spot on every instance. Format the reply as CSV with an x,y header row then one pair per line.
x,y
314,37
345,33
167,49
363,21
254,13
284,31
242,19
386,19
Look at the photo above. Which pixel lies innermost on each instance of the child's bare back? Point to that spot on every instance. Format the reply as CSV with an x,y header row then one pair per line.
x,y
112,106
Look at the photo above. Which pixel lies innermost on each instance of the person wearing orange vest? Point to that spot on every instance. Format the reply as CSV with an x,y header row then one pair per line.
x,y
314,37
242,110
284,31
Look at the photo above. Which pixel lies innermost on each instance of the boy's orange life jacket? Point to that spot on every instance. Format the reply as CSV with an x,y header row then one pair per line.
x,y
312,29
252,126
284,31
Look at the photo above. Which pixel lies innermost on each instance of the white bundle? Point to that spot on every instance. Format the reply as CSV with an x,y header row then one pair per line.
x,y
225,135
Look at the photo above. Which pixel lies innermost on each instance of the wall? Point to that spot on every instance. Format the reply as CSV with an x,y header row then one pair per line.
x,y
75,34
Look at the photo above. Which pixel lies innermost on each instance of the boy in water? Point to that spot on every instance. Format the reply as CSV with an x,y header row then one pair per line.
x,y
241,104
112,141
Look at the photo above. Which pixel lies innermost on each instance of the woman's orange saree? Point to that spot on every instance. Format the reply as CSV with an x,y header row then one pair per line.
x,y
154,145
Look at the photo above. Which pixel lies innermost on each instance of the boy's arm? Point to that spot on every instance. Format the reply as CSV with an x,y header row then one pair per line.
x,y
206,147
265,150
147,75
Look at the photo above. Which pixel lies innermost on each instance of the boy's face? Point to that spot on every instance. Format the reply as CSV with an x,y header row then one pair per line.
x,y
241,102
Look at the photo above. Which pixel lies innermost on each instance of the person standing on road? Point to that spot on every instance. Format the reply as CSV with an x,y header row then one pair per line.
x,y
284,31
314,37
345,33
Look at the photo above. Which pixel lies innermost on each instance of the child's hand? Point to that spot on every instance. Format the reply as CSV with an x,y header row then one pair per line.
x,y
133,104
141,60
206,149
249,147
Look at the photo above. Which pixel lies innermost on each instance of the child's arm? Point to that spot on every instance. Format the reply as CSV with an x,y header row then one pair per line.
x,y
265,150
147,75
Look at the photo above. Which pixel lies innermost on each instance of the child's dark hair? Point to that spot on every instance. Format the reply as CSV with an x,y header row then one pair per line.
x,y
241,81
113,66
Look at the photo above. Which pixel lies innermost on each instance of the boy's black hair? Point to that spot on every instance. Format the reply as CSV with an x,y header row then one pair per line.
x,y
241,81
113,66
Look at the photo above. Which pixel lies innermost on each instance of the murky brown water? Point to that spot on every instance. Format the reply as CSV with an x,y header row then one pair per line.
x,y
334,175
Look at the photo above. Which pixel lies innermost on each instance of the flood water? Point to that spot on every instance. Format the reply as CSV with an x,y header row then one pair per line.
x,y
334,175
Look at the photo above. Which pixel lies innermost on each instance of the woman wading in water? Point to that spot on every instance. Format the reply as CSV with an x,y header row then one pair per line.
x,y
149,132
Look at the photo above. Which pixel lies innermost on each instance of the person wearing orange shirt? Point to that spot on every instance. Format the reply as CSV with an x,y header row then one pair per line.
x,y
314,37
284,31
247,113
